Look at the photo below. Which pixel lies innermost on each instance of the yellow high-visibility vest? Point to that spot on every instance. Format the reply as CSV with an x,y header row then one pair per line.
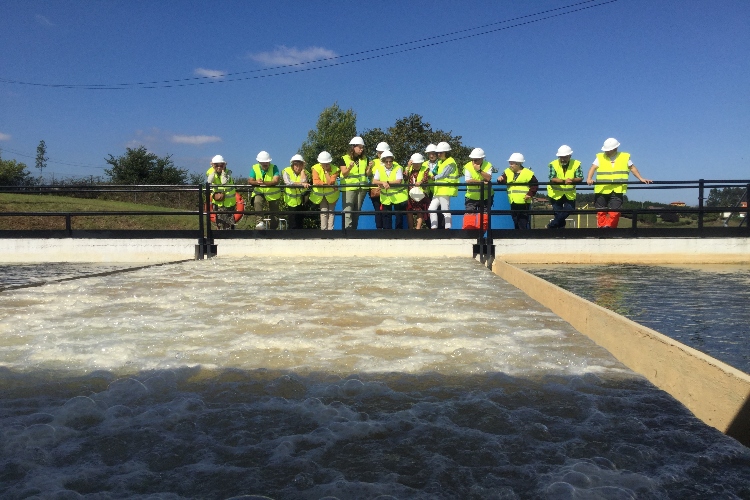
x,y
452,179
230,198
609,172
319,192
357,175
557,191
516,193
397,192
473,190
293,195
270,192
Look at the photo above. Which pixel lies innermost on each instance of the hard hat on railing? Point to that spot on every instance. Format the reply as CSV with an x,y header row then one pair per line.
x,y
564,150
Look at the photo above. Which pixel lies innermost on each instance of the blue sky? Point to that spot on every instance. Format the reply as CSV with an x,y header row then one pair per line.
x,y
669,79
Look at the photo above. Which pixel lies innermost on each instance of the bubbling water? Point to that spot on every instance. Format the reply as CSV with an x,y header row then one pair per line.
x,y
338,377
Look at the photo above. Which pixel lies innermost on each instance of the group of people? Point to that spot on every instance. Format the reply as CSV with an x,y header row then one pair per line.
x,y
423,188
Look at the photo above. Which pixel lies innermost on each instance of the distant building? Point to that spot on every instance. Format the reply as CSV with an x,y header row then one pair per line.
x,y
677,204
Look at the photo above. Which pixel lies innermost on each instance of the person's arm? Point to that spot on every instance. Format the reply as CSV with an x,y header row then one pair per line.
x,y
577,176
344,169
590,177
251,178
533,187
317,181
638,175
445,173
503,179
553,178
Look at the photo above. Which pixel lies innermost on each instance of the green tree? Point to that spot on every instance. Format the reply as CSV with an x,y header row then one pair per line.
x,y
41,158
725,197
332,133
13,173
138,166
412,134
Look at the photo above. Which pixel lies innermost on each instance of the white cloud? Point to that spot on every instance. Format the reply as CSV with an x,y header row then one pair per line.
x,y
210,73
43,20
283,55
195,140
4,137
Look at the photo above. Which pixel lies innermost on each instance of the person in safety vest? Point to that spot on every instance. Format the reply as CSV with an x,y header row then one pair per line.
x,y
611,168
417,176
393,191
375,191
432,165
478,176
564,174
223,194
522,186
265,177
447,174
354,170
325,192
295,180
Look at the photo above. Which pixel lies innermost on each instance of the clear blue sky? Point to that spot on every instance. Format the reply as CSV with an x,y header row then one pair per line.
x,y
669,79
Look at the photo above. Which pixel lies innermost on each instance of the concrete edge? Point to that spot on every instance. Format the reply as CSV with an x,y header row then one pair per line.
x,y
715,392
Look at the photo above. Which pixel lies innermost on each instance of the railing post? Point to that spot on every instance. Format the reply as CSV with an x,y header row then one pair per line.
x,y
209,233
488,240
747,209
68,225
635,222
701,188
200,251
480,241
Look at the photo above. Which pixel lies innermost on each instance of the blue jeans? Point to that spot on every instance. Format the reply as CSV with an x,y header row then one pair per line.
x,y
562,208
388,218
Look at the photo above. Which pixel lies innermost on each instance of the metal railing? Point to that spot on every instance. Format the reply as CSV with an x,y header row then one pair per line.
x,y
205,233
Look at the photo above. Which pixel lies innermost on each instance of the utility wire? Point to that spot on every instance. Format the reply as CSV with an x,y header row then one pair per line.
x,y
205,80
51,161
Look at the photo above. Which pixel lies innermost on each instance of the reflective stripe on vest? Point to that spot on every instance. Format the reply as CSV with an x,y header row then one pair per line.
x,y
397,192
452,179
270,192
557,191
329,192
228,189
357,175
516,193
608,172
472,190
293,195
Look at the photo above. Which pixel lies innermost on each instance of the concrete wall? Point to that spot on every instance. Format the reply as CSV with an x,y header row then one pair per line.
x,y
714,391
588,251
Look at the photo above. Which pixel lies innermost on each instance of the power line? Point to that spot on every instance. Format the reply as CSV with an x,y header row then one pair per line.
x,y
206,80
51,161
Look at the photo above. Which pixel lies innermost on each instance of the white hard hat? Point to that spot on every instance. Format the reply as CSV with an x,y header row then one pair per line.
x,y
564,150
297,158
263,157
430,149
218,159
610,144
442,147
416,193
476,153
417,158
386,154
325,157
357,141
517,158
382,146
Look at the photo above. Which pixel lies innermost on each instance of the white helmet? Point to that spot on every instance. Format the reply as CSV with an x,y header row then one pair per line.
x,y
564,150
386,154
417,158
442,147
218,159
357,141
430,149
382,146
476,153
517,158
325,157
297,157
610,144
263,157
